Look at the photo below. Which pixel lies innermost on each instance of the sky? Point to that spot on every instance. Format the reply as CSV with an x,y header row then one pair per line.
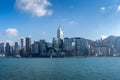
x,y
40,19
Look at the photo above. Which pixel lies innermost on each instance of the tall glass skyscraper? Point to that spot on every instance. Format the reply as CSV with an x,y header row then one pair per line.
x,y
60,37
2,48
60,33
22,43
7,50
28,46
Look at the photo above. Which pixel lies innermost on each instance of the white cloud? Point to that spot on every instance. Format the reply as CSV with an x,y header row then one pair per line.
x,y
102,8
35,7
11,32
118,8
103,37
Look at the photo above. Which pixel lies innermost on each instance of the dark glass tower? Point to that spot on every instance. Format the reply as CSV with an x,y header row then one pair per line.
x,y
22,43
28,46
2,48
16,47
7,50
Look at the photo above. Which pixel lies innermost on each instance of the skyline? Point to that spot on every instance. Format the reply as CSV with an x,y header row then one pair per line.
x,y
41,18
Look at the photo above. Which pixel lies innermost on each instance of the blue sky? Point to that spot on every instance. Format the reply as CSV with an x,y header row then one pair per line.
x,y
40,19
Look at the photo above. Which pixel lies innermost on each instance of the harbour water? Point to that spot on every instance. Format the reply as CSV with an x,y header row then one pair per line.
x,y
90,68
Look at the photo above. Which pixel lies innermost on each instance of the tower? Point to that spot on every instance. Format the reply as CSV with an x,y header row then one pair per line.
x,y
28,46
60,33
7,50
16,47
22,43
22,49
60,37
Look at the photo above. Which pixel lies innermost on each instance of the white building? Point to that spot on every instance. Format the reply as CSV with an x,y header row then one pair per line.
x,y
60,33
60,37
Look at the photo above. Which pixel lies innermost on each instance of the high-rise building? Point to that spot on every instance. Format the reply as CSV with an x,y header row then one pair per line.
x,y
60,33
78,45
22,43
60,37
7,50
55,43
73,46
43,47
22,50
12,51
36,48
28,46
2,48
16,48
67,44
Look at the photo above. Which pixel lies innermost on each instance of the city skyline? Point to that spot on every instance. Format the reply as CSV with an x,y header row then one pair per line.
x,y
22,18
61,47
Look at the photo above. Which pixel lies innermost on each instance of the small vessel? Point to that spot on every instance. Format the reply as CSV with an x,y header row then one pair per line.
x,y
2,55
18,56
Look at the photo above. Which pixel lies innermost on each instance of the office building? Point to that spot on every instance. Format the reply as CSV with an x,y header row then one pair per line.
x,y
35,47
43,48
55,43
16,48
28,46
2,51
60,37
7,50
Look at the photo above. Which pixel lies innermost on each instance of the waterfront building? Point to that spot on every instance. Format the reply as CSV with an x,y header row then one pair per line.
x,y
66,44
102,50
55,43
78,45
70,46
16,48
117,45
22,43
22,49
35,48
12,51
2,51
7,50
73,46
28,46
43,47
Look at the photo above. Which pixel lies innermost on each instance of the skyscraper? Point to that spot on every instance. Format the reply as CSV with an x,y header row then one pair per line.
x,y
55,43
60,33
22,43
1,48
7,50
78,46
16,48
60,37
22,49
28,46
43,47
35,48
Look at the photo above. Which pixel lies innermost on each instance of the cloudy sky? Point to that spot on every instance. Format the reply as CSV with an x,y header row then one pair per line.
x,y
40,19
